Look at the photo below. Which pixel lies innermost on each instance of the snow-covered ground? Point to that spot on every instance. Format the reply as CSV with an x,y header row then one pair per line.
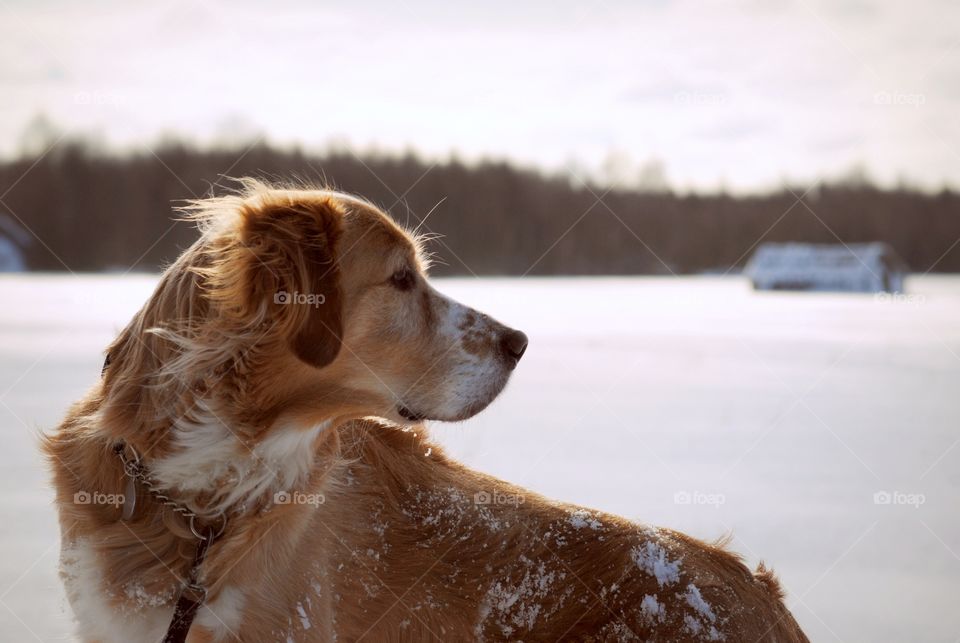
x,y
692,403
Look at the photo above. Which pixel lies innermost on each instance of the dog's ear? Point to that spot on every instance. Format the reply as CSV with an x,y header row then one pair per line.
x,y
285,260
317,341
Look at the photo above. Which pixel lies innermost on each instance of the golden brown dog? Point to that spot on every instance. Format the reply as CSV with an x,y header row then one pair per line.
x,y
240,393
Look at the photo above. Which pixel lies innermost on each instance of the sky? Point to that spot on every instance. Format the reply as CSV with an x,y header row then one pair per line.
x,y
744,95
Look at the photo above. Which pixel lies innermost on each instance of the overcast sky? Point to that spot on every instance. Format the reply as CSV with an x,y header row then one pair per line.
x,y
743,94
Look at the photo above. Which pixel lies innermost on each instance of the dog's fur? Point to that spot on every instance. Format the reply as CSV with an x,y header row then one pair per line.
x,y
340,527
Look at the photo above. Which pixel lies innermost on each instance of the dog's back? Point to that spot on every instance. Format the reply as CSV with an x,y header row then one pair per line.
x,y
425,544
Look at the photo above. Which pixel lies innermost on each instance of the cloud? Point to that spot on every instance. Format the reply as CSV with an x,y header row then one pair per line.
x,y
538,82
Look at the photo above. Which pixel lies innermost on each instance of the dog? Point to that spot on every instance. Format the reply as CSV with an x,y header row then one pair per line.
x,y
253,465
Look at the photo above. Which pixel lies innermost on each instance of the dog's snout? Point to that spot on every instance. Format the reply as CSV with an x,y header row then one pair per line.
x,y
513,344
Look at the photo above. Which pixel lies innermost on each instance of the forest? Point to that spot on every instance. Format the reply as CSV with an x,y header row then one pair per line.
x,y
87,209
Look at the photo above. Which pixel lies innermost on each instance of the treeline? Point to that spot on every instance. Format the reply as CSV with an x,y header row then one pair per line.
x,y
90,210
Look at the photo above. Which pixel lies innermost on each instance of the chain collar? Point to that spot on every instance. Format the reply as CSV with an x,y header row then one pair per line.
x,y
135,472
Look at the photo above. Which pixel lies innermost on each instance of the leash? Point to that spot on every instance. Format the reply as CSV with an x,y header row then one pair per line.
x,y
193,593
191,598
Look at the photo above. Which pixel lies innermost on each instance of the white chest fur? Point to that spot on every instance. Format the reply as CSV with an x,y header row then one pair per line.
x,y
207,456
95,607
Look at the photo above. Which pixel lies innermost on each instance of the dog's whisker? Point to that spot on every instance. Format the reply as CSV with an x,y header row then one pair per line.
x,y
423,221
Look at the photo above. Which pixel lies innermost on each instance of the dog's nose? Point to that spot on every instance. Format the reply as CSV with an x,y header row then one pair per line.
x,y
513,344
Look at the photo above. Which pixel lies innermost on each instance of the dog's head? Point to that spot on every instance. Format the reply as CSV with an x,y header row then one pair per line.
x,y
323,305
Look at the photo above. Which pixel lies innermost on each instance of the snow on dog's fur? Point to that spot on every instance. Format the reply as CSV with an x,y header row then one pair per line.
x,y
244,384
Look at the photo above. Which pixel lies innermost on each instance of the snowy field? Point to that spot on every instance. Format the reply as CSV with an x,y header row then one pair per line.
x,y
692,403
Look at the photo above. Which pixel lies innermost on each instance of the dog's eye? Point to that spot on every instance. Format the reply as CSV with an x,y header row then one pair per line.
x,y
402,279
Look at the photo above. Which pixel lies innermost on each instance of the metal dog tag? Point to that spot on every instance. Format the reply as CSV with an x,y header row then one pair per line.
x,y
129,499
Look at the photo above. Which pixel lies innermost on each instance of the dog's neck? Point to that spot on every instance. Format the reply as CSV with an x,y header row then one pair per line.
x,y
211,466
